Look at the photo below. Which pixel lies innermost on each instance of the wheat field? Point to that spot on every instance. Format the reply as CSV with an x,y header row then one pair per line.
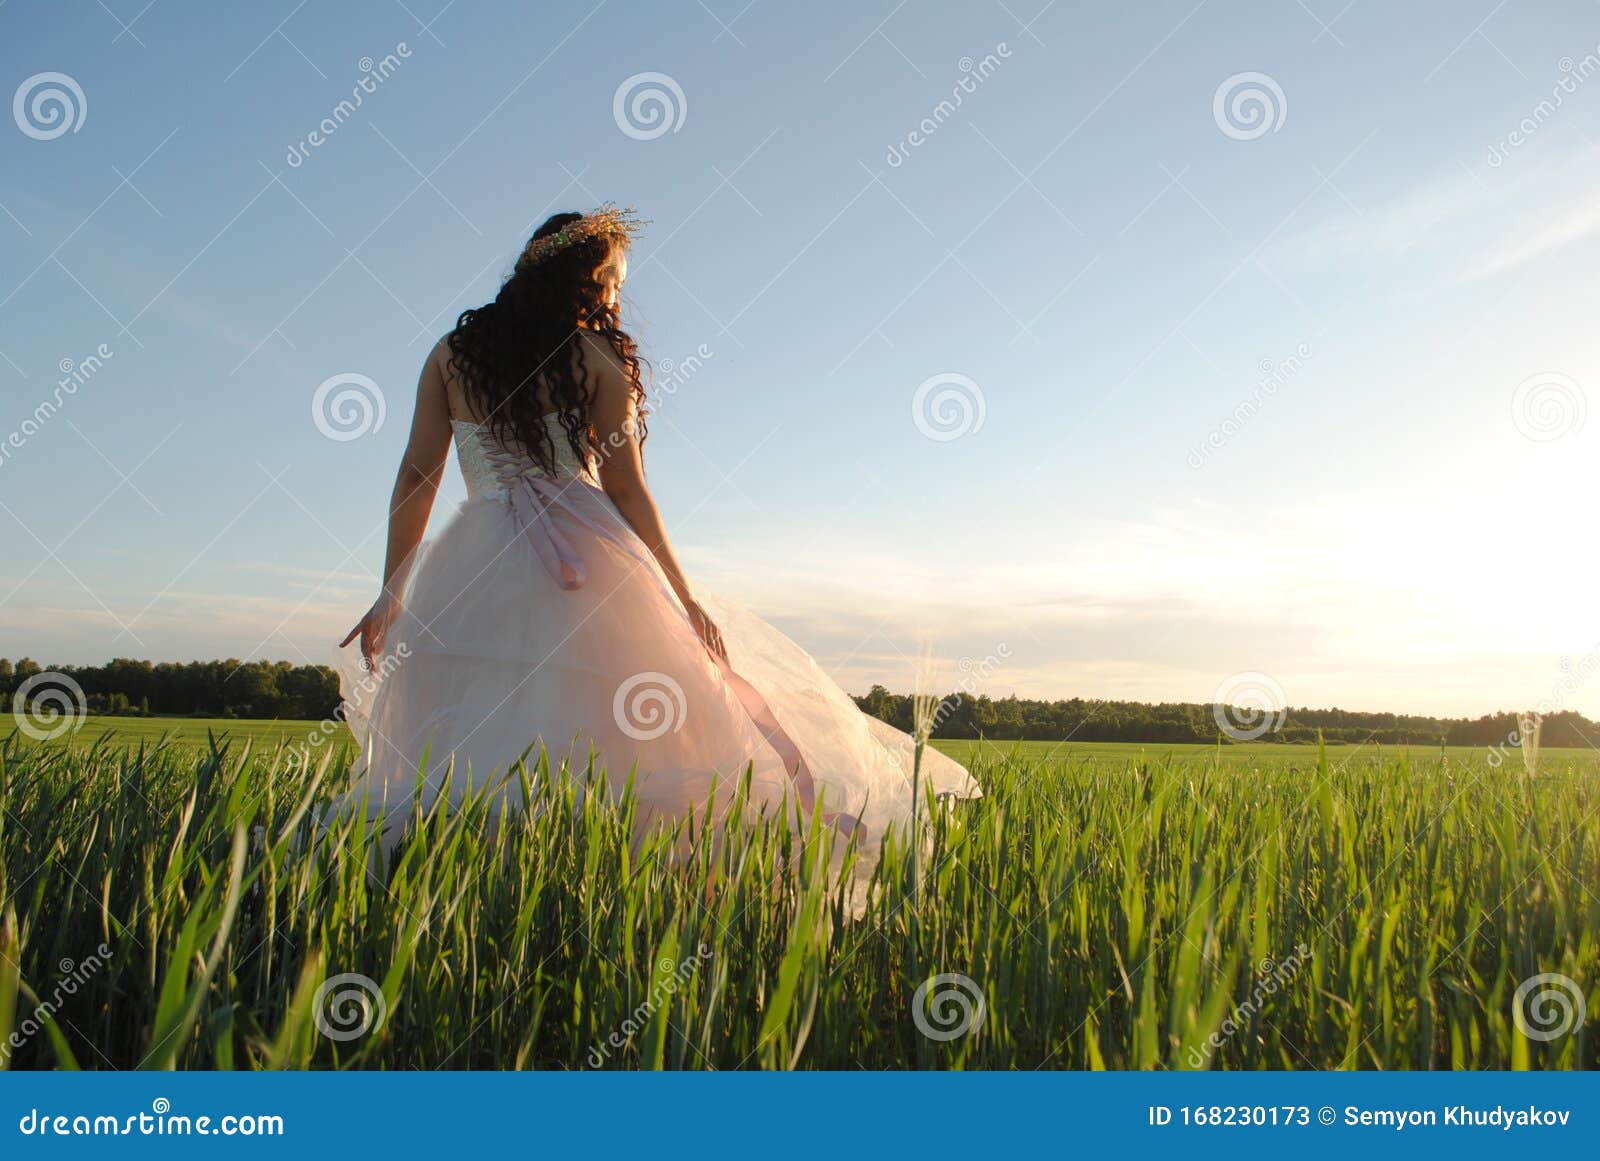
x,y
177,903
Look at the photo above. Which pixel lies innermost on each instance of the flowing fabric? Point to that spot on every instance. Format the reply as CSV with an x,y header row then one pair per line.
x,y
538,617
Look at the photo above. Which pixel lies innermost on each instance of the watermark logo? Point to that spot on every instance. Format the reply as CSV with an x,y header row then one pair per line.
x,y
1274,375
649,105
356,696
1249,105
1271,977
48,705
349,1006
948,406
673,374
348,406
49,105
973,74
649,705
1248,705
948,1006
975,673
670,975
373,74
1548,1006
74,975
75,373
1548,406
1573,75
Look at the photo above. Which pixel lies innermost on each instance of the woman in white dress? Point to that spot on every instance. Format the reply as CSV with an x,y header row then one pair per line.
x,y
551,610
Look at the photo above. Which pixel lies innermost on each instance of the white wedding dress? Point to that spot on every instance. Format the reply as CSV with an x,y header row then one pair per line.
x,y
538,617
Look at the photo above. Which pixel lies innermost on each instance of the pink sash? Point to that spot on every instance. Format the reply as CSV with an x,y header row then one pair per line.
x,y
532,495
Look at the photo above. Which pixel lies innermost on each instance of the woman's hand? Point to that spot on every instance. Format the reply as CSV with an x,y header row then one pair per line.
x,y
373,628
706,629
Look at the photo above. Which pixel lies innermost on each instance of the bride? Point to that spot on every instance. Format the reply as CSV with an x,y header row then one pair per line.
x,y
552,610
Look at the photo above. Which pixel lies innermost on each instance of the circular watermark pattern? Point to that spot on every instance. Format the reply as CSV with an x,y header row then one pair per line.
x,y
49,105
1548,1006
948,1006
1249,105
649,105
1548,406
1248,705
48,705
648,705
348,406
948,406
348,1006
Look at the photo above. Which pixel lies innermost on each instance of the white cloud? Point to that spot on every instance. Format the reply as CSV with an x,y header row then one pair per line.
x,y
1499,218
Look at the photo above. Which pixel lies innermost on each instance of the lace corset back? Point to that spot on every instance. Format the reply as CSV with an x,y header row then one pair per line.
x,y
490,467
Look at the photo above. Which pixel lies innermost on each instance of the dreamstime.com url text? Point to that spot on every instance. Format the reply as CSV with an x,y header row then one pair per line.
x,y
160,1121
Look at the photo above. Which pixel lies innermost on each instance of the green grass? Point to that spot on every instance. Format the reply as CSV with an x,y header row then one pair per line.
x,y
195,733
192,732
1111,911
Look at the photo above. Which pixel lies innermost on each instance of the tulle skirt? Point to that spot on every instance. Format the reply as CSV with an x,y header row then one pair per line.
x,y
498,653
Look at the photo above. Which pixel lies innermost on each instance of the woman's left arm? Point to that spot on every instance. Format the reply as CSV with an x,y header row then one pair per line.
x,y
411,502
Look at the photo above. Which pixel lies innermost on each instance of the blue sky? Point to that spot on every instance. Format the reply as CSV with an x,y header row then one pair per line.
x,y
1397,520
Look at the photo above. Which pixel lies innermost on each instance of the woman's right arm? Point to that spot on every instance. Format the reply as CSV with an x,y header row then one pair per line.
x,y
614,414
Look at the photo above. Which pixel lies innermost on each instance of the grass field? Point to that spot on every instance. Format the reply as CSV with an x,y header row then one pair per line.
x,y
194,733
1249,907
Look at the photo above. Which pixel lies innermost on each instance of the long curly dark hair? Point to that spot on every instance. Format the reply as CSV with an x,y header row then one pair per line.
x,y
521,357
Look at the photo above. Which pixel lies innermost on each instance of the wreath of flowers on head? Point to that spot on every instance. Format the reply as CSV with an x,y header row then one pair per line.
x,y
615,224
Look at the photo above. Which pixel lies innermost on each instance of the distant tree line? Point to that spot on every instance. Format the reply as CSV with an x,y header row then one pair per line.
x,y
203,689
964,715
277,689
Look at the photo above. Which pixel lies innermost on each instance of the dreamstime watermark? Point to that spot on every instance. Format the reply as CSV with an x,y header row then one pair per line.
x,y
74,976
1574,675
1248,705
1273,376
1573,75
374,73
1548,406
975,674
669,977
160,1121
1271,976
364,687
1548,1006
649,105
348,406
648,705
349,1006
948,1006
49,105
75,373
672,374
48,705
973,74
948,406
1249,105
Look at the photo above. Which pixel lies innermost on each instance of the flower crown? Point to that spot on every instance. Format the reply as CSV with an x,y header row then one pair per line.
x,y
609,222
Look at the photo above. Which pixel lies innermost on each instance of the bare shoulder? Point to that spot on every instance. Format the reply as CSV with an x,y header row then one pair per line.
x,y
439,357
600,354
606,372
